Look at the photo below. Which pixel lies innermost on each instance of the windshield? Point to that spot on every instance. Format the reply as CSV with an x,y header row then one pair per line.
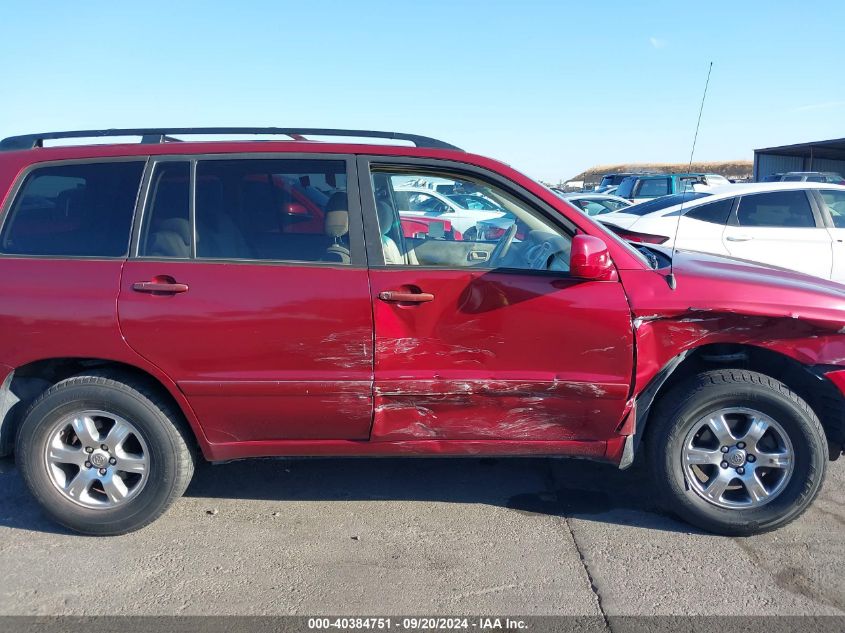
x,y
664,202
626,187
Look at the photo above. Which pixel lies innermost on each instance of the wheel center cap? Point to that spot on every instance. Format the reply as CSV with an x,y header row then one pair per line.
x,y
100,459
736,457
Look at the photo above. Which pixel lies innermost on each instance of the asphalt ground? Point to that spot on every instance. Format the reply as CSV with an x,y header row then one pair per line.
x,y
419,536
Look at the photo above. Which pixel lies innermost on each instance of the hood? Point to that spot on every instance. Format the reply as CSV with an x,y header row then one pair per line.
x,y
712,283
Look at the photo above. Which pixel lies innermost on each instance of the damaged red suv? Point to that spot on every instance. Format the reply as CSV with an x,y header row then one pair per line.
x,y
167,301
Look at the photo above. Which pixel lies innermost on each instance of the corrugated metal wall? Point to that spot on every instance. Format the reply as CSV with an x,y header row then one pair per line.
x,y
826,164
765,164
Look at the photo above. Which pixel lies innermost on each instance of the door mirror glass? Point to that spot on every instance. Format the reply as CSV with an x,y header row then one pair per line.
x,y
590,259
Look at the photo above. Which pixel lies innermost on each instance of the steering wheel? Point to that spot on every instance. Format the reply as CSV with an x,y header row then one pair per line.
x,y
504,245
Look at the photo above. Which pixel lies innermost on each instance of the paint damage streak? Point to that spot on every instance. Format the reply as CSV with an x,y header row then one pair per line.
x,y
494,409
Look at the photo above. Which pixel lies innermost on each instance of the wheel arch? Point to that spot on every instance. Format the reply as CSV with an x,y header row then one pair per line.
x,y
26,382
817,391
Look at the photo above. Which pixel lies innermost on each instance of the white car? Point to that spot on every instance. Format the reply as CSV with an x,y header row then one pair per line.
x,y
463,210
795,225
595,203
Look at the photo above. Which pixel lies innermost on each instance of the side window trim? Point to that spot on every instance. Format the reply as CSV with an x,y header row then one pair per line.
x,y
356,228
371,228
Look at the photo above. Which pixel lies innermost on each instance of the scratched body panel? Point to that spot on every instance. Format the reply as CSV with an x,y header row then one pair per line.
x,y
730,301
500,356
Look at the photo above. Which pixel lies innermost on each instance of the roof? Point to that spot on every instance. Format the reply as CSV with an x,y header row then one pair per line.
x,y
833,148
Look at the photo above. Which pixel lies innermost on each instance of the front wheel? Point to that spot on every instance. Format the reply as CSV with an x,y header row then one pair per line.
x,y
103,456
736,452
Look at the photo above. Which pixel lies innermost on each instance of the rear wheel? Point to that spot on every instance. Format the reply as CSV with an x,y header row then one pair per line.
x,y
736,452
103,456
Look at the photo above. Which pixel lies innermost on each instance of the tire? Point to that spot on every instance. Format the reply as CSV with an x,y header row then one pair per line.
x,y
470,235
139,432
784,465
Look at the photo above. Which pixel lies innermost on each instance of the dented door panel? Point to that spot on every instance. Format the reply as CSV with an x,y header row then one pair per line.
x,y
500,355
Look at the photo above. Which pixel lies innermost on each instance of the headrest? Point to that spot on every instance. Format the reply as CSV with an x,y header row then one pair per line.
x,y
386,216
179,226
337,202
337,223
172,239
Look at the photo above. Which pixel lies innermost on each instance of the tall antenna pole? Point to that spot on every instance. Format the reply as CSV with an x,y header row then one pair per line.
x,y
670,278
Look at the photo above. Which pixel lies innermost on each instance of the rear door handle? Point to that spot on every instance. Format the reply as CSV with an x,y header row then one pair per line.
x,y
405,297
739,238
160,285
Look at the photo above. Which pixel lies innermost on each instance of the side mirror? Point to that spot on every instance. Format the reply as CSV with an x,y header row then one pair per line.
x,y
590,260
295,208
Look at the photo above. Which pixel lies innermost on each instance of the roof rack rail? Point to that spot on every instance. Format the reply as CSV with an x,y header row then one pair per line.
x,y
163,135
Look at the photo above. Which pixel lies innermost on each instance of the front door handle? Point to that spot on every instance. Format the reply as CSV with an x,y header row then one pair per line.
x,y
739,238
160,285
400,296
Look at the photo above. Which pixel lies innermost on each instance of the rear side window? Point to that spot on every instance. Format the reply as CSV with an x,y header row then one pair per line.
x,y
789,209
714,212
652,188
82,210
835,202
272,209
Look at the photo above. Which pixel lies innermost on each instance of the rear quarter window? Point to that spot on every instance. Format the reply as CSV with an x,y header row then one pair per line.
x,y
80,210
714,212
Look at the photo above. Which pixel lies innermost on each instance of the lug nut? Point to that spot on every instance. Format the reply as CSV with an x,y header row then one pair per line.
x,y
112,461
751,459
740,445
725,449
740,470
102,471
87,464
88,449
104,447
724,464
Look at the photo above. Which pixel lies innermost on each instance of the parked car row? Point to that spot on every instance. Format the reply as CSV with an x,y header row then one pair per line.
x,y
829,177
794,225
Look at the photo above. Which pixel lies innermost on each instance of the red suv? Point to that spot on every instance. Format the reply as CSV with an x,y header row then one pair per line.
x,y
167,300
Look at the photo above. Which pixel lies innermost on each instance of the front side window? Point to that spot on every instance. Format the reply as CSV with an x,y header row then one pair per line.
x,y
80,210
835,203
515,237
789,209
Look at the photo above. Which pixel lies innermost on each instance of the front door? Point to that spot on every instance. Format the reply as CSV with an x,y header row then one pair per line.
x,y
779,228
489,340
265,326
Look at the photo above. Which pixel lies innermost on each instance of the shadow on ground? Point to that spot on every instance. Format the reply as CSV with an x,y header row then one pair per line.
x,y
546,486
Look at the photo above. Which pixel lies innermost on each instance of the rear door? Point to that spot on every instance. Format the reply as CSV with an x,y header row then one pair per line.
x,y
475,342
832,204
780,228
65,238
265,326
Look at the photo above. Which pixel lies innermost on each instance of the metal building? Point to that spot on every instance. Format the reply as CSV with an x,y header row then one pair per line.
x,y
816,156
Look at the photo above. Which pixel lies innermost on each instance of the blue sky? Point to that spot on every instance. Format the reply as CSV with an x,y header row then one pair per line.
x,y
549,87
